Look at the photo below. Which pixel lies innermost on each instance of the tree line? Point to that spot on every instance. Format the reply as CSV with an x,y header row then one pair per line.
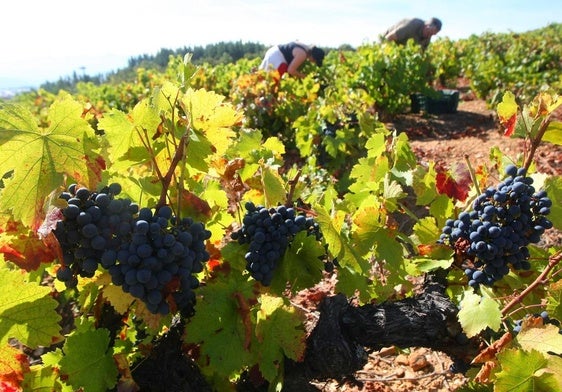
x,y
218,53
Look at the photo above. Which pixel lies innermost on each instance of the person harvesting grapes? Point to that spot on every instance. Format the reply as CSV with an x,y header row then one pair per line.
x,y
289,57
413,28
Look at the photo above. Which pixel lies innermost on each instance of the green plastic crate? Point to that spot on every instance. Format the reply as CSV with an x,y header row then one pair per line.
x,y
443,101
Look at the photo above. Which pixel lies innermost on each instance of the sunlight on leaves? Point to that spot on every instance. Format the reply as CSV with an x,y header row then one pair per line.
x,y
88,361
28,313
280,333
523,371
40,157
543,339
478,313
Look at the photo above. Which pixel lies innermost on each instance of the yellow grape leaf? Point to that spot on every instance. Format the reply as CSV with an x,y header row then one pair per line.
x,y
120,300
27,311
507,108
544,339
523,371
40,157
274,145
280,332
212,116
14,364
478,313
544,104
555,366
553,133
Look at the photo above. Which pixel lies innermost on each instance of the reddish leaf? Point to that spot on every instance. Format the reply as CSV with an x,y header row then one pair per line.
x,y
196,204
13,365
510,125
5,387
24,247
454,184
425,250
213,264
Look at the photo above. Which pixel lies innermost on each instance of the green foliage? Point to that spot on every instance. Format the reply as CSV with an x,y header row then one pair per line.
x,y
28,314
525,371
205,140
521,63
40,157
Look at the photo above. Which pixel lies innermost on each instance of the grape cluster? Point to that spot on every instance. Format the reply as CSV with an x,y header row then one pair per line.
x,y
269,231
92,222
503,221
159,260
152,256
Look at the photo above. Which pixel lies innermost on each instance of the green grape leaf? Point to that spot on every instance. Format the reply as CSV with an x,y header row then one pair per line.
x,y
198,150
280,333
424,184
28,312
88,361
350,283
368,174
478,313
44,378
274,145
273,188
442,207
405,158
543,339
41,157
553,187
523,371
554,300
376,145
392,192
372,233
123,133
369,220
553,133
222,324
425,231
388,249
300,267
338,246
52,358
248,144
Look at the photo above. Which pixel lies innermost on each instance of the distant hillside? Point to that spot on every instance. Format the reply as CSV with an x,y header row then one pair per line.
x,y
219,53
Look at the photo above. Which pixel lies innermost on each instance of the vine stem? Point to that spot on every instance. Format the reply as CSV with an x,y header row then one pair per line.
x,y
472,174
552,262
535,142
167,179
293,183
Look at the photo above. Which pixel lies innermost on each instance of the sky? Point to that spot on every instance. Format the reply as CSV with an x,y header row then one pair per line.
x,y
45,40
